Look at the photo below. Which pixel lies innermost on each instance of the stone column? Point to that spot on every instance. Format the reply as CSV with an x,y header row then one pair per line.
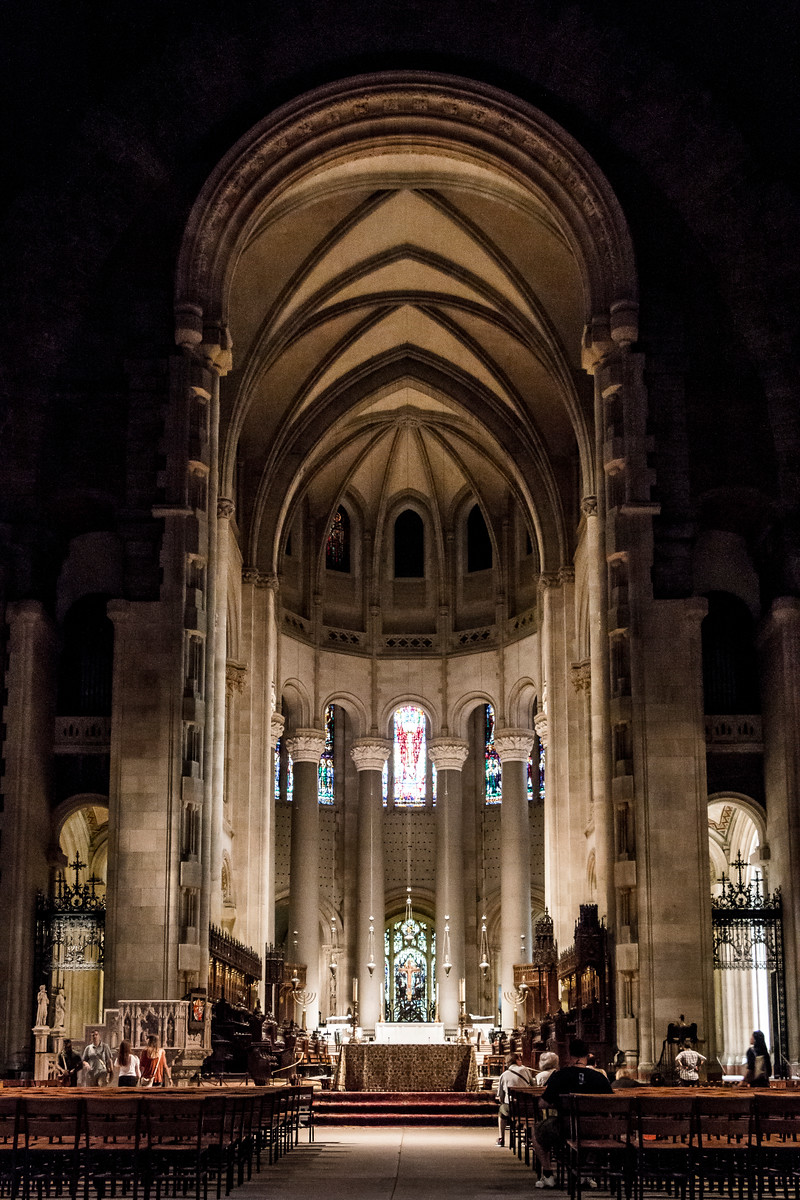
x,y
514,747
780,659
448,756
369,755
306,747
26,818
225,511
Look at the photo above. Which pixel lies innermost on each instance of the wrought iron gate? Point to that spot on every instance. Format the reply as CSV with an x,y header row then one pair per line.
x,y
747,928
70,927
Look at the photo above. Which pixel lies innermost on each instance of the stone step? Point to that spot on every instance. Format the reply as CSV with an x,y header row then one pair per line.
x,y
404,1108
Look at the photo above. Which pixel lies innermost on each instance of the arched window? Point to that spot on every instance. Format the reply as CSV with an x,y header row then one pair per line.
x,y
492,765
337,547
730,671
410,757
479,544
409,546
279,759
325,777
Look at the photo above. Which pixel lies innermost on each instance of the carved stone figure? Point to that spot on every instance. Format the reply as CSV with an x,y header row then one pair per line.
x,y
61,1009
42,1005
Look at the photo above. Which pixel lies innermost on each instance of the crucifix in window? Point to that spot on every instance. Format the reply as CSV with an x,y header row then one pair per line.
x,y
409,970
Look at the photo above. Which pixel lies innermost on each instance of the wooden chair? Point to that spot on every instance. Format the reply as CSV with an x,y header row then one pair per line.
x,y
776,1116
599,1142
10,1156
663,1142
112,1145
52,1127
176,1159
523,1114
724,1142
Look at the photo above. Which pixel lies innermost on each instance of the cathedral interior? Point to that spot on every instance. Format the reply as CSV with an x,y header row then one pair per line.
x,y
400,517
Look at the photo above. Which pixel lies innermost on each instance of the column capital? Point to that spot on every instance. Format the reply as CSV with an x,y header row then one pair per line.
x,y
235,676
581,676
259,579
513,745
540,724
306,745
589,506
277,723
369,754
225,508
448,753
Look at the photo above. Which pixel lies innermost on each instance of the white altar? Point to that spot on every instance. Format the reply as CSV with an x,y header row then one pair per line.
x,y
409,1033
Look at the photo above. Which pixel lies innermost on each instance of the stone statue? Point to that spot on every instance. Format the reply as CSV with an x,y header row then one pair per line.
x,y
61,1009
42,1005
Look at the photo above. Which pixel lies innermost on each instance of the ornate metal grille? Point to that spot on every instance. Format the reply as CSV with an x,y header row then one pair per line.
x,y
747,928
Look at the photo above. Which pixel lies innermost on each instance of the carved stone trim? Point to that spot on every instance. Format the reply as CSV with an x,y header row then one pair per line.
x,y
260,579
514,745
306,745
541,727
448,754
369,754
277,724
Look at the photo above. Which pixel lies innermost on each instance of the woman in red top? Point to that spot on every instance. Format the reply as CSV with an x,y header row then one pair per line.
x,y
153,1065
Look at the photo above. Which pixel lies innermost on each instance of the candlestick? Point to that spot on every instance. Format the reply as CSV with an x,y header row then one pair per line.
x,y
355,988
462,990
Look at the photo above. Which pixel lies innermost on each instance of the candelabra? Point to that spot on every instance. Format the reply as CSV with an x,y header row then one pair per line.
x,y
517,998
462,1012
303,998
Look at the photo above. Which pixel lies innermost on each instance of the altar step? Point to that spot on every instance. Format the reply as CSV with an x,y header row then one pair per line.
x,y
404,1108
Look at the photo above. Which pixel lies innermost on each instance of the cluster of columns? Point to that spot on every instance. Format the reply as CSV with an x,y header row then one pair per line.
x,y
369,755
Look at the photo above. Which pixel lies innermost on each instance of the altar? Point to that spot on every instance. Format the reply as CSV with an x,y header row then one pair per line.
x,y
409,1033
370,1067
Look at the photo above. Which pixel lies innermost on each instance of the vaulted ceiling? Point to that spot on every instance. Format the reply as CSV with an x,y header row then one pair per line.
x,y
405,320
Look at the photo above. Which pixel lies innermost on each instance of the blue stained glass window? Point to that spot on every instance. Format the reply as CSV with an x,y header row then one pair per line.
x,y
410,757
542,757
494,770
289,778
385,782
278,769
325,773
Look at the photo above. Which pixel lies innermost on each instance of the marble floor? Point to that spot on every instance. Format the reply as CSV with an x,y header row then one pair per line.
x,y
395,1163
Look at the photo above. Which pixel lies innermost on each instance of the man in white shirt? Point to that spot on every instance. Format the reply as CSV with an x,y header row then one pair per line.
x,y
688,1064
515,1075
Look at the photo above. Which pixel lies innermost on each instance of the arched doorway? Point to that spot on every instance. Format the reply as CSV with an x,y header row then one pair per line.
x,y
748,944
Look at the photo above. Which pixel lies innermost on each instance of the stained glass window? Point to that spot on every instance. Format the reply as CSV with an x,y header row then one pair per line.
x,y
493,766
410,757
278,769
409,970
289,778
337,547
289,772
542,757
385,782
325,773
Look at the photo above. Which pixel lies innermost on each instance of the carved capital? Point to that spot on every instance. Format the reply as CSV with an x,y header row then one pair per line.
x,y
260,579
513,745
277,723
448,754
549,579
589,506
369,754
225,508
235,676
581,676
541,727
306,745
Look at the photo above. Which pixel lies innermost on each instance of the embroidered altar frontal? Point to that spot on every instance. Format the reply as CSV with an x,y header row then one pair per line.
x,y
398,1068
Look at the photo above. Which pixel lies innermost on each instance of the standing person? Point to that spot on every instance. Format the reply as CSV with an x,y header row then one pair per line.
x,y
69,1063
98,1061
578,1077
688,1063
154,1066
515,1075
127,1066
759,1064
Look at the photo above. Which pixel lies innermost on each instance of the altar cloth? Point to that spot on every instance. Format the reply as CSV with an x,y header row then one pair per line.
x,y
409,1033
369,1067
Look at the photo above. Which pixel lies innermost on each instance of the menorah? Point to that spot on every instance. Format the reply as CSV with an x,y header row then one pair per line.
x,y
517,998
303,997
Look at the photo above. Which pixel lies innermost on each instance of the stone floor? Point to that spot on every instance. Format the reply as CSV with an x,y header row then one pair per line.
x,y
393,1163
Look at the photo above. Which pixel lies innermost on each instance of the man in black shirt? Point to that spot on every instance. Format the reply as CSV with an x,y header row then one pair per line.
x,y
578,1077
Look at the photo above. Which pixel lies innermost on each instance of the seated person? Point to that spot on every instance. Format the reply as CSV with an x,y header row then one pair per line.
x,y
625,1078
548,1063
515,1075
578,1077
